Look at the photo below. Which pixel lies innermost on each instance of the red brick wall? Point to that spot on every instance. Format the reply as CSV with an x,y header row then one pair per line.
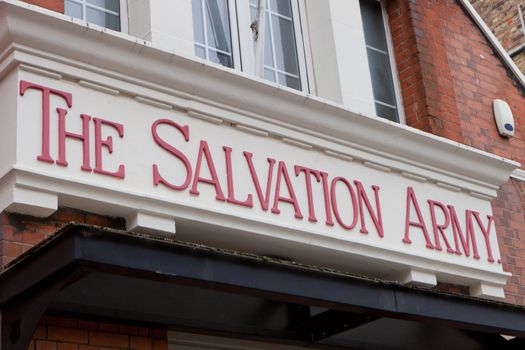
x,y
449,76
55,5
18,233
503,18
71,334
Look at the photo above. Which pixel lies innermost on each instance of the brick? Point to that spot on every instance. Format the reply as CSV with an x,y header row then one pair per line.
x,y
108,339
88,325
159,333
108,327
67,346
46,345
160,344
67,215
71,335
67,322
40,332
87,347
98,220
141,343
48,320
129,330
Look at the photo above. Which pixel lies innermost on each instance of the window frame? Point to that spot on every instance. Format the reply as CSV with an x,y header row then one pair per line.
x,y
242,40
393,64
123,15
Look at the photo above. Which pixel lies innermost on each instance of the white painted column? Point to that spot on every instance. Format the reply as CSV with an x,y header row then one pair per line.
x,y
166,23
340,62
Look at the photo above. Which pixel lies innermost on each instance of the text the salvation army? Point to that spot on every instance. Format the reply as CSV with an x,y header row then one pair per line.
x,y
272,188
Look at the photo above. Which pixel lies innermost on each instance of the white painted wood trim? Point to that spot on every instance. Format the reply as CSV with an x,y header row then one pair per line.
x,y
518,174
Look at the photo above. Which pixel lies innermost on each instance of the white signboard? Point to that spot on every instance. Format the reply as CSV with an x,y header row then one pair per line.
x,y
234,187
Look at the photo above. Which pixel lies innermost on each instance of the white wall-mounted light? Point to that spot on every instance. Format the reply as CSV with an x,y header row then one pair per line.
x,y
504,118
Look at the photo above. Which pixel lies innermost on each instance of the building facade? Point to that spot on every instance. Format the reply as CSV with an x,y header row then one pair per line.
x,y
505,19
245,174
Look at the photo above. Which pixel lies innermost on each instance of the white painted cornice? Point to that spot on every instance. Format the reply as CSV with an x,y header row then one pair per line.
x,y
518,174
58,44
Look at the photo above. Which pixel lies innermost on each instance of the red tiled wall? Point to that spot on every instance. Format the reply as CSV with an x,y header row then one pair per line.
x,y
449,75
55,5
71,334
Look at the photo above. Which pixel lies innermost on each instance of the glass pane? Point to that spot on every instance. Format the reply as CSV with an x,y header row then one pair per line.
x,y
253,2
381,75
102,18
218,24
268,49
73,9
111,5
198,25
200,51
269,74
220,58
387,112
289,81
282,7
284,45
373,25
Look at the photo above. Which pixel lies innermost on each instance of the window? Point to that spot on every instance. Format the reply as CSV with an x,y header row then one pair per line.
x,y
378,52
211,30
223,33
105,13
281,64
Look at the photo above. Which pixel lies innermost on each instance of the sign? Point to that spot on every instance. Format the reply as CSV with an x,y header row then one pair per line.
x,y
242,188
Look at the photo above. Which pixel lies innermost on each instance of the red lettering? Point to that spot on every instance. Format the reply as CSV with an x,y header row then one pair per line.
x,y
46,92
307,176
108,144
376,218
283,173
185,131
214,181
458,233
263,200
486,233
229,175
411,199
334,202
84,137
439,229
326,195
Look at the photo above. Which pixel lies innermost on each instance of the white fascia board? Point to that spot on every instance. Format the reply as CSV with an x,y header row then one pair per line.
x,y
43,36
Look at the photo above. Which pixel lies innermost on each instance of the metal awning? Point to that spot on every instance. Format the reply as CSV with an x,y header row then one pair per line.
x,y
94,272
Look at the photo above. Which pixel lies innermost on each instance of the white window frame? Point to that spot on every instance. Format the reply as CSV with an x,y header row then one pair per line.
x,y
393,65
123,14
234,38
124,20
242,39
